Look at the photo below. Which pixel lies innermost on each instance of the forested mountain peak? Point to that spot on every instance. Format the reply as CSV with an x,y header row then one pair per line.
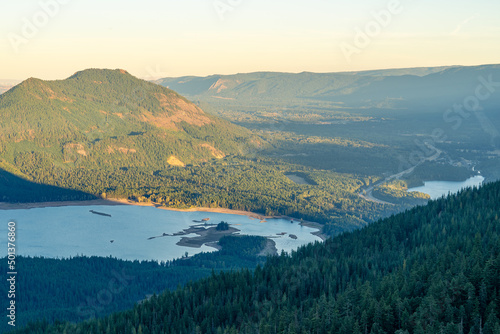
x,y
99,117
92,72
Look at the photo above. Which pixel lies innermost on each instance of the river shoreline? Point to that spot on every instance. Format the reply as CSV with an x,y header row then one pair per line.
x,y
116,201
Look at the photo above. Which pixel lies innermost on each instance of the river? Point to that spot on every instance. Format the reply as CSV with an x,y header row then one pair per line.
x,y
436,189
125,231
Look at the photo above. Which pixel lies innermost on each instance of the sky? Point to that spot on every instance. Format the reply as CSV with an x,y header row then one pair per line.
x,y
52,39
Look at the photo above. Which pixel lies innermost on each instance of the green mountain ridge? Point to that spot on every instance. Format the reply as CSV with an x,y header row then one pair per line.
x,y
394,88
98,118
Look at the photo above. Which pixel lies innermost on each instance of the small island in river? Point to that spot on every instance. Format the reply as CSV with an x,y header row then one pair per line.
x,y
206,235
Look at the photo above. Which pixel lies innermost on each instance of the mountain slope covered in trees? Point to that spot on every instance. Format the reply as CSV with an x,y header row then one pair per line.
x,y
100,118
432,269
100,286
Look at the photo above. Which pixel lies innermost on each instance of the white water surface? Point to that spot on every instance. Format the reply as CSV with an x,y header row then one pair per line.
x,y
436,189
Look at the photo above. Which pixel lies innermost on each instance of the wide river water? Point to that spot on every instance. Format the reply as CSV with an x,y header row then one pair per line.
x,y
73,230
436,189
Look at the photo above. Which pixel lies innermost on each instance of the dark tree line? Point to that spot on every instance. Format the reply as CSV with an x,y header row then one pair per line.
x,y
80,288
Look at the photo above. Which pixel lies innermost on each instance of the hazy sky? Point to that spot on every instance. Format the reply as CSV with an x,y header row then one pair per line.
x,y
158,38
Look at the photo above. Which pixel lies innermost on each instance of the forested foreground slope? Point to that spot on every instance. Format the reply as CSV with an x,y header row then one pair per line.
x,y
80,288
432,269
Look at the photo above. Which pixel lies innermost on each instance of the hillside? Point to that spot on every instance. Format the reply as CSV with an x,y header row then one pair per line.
x,y
98,118
13,188
432,269
48,294
5,85
4,88
396,88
